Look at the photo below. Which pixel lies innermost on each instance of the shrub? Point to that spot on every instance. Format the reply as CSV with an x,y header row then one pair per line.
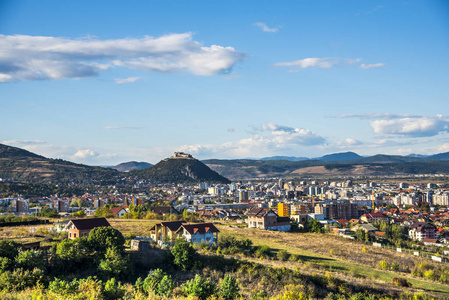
x,y
114,263
9,249
229,288
383,265
113,289
29,260
185,256
198,287
158,282
282,255
401,282
262,251
394,266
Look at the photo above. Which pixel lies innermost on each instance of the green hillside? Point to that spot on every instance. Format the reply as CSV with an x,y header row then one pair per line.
x,y
22,165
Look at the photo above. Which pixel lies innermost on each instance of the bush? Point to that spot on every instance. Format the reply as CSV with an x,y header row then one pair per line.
x,y
114,263
185,256
394,266
198,287
262,251
9,249
113,289
229,288
282,255
29,260
401,282
383,265
158,282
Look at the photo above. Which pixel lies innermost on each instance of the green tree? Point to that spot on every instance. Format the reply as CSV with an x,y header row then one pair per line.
x,y
30,259
159,282
9,249
113,289
102,238
360,234
198,287
315,226
229,288
74,250
114,263
185,256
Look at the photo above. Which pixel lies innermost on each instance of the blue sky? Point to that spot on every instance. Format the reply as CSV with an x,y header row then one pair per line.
x,y
103,82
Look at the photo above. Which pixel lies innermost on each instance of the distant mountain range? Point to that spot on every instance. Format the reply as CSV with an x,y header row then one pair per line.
x,y
337,164
329,157
130,166
19,164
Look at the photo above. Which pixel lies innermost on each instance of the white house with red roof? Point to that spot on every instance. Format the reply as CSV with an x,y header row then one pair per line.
x,y
199,233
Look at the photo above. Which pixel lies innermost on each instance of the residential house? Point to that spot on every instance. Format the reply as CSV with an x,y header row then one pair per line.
x,y
267,219
82,227
165,231
163,210
119,211
420,230
374,218
199,233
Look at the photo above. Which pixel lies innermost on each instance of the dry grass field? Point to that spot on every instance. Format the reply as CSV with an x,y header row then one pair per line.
x,y
348,259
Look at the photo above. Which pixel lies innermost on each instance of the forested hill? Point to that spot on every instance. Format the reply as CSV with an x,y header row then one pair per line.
x,y
176,170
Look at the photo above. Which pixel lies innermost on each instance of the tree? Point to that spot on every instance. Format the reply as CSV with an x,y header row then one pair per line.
x,y
200,288
30,259
360,234
9,249
102,238
229,288
75,250
158,282
315,225
185,256
114,263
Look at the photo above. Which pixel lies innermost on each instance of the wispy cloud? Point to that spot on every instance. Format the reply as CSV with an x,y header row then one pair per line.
x,y
316,62
23,142
265,28
377,116
126,80
25,57
372,66
121,128
270,138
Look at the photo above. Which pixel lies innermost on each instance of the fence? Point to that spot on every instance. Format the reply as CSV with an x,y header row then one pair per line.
x,y
413,252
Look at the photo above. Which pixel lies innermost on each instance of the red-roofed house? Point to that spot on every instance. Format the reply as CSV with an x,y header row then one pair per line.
x,y
82,227
118,211
199,233
374,217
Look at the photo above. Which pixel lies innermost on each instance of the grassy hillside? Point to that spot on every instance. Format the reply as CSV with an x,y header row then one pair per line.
x,y
19,164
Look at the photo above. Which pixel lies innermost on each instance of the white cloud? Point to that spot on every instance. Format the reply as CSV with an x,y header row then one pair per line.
x,y
265,28
126,80
23,142
25,57
272,138
371,66
412,127
316,62
83,155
